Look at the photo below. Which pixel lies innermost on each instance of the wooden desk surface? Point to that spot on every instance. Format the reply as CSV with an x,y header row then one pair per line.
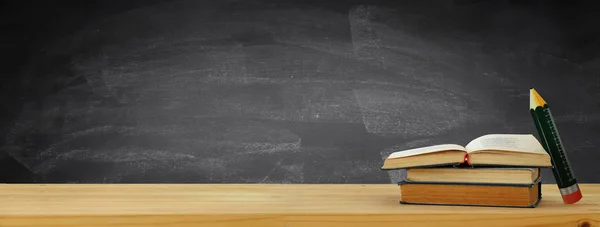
x,y
268,205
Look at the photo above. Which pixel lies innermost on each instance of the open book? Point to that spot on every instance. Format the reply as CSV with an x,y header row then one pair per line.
x,y
516,150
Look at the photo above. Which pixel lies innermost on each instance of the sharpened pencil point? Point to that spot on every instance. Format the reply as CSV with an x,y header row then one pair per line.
x,y
535,99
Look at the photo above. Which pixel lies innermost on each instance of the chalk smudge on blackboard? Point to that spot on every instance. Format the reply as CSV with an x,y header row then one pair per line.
x,y
316,91
398,47
94,137
410,114
400,41
122,154
238,95
209,161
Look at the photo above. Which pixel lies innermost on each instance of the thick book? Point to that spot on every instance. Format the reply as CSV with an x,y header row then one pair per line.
x,y
474,175
505,150
471,194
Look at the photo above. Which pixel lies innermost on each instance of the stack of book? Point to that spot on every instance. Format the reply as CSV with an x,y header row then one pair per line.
x,y
493,170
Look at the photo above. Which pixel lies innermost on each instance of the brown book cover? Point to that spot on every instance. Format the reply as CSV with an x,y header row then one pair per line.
x,y
471,194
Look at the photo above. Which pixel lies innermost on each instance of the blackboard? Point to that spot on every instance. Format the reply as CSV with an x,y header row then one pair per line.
x,y
293,92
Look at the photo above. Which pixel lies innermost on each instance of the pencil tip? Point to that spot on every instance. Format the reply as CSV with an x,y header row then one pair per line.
x,y
535,99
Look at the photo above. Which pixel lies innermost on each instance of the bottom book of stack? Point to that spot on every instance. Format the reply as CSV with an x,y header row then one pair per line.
x,y
496,187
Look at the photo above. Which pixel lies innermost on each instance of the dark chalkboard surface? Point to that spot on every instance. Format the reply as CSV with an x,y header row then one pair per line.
x,y
294,92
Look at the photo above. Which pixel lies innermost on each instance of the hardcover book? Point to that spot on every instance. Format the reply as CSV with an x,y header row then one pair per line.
x,y
471,194
474,175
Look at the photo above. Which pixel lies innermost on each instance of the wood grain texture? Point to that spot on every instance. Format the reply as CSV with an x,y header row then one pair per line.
x,y
268,205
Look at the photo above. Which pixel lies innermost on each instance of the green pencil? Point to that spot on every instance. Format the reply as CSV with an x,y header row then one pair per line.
x,y
544,123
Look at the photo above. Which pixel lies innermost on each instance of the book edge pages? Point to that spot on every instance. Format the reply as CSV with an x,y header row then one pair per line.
x,y
475,145
426,150
438,165
533,172
531,184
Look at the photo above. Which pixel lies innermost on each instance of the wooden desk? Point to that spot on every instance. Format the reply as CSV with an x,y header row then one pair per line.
x,y
268,205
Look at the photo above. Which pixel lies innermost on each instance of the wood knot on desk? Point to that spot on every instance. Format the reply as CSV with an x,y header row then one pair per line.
x,y
584,223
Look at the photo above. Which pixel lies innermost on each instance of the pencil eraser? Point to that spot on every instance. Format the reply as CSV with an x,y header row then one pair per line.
x,y
572,198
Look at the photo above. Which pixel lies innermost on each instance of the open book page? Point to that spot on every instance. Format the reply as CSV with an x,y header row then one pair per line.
x,y
426,150
526,143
